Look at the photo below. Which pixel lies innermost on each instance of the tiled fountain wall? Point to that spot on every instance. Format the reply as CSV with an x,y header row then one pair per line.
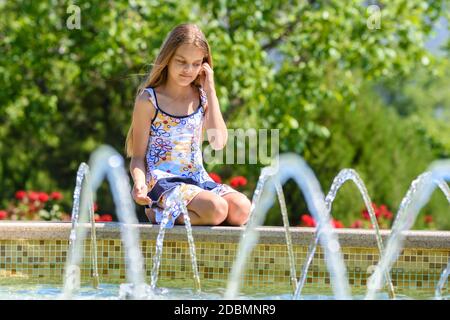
x,y
35,252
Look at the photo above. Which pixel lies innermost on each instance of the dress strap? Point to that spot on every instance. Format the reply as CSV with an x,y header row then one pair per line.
x,y
203,99
152,94
153,99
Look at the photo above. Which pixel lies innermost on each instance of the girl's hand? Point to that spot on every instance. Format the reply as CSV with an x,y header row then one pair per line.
x,y
207,77
140,194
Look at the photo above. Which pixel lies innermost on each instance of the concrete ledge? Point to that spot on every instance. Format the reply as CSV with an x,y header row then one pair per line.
x,y
11,230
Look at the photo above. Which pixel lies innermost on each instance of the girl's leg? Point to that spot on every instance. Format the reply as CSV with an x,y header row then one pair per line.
x,y
238,208
206,208
151,215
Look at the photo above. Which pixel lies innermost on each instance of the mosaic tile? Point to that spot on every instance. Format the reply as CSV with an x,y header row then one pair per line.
x,y
43,261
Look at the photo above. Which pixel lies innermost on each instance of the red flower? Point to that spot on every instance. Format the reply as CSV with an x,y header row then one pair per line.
x,y
365,215
106,217
103,218
33,196
55,195
3,214
20,195
43,197
337,223
357,224
388,215
385,213
428,219
238,181
307,221
95,207
377,211
216,178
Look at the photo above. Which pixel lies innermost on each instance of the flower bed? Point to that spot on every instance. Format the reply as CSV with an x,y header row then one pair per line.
x,y
42,206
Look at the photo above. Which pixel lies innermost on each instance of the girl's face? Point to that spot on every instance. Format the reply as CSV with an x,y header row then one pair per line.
x,y
186,64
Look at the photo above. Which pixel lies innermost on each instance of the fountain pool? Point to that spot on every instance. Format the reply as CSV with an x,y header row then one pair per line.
x,y
33,256
37,258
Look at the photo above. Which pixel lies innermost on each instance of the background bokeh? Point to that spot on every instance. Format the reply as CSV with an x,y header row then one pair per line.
x,y
347,86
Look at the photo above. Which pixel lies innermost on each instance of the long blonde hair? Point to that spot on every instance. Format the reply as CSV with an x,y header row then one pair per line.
x,y
185,33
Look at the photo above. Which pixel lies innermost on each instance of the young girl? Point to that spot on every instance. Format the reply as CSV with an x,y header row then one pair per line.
x,y
173,107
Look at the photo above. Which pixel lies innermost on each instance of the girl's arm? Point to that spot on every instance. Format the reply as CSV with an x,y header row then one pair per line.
x,y
142,114
214,124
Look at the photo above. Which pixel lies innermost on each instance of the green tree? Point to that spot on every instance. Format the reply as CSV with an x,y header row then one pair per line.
x,y
428,108
66,91
386,150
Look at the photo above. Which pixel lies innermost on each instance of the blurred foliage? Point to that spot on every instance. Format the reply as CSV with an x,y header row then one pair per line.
x,y
428,108
278,64
387,152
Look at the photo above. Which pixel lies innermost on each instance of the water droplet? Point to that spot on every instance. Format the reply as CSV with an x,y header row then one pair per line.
x,y
333,246
115,161
371,269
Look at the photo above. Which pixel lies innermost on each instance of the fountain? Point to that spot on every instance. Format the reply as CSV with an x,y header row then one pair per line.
x,y
72,270
416,197
444,276
106,161
265,173
287,234
293,167
343,176
442,280
173,205
115,171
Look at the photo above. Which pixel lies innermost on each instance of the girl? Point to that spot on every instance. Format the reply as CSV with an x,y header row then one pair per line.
x,y
173,107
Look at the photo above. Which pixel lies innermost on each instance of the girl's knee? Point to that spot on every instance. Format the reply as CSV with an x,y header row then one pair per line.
x,y
239,210
210,208
218,210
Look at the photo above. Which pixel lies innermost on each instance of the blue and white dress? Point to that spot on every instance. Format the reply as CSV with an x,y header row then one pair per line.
x,y
174,158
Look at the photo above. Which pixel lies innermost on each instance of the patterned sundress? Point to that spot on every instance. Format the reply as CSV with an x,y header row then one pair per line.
x,y
174,158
